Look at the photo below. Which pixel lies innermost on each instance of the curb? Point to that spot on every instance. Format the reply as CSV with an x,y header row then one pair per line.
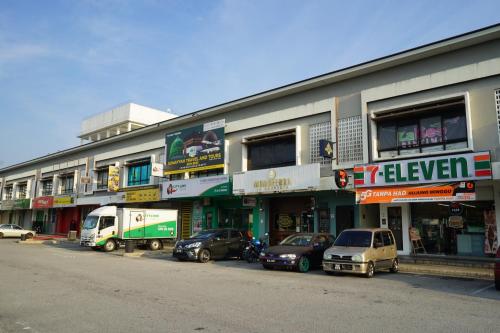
x,y
446,272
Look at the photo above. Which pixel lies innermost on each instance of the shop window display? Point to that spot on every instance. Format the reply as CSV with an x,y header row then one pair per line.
x,y
459,228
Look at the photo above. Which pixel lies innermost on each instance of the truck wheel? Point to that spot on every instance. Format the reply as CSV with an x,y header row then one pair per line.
x,y
109,246
204,256
95,248
155,245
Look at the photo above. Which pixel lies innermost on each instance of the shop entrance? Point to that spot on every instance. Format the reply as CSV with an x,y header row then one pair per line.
x,y
344,218
289,215
396,217
395,223
236,218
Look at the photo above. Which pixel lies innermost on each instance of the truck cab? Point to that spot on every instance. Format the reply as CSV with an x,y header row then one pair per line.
x,y
100,228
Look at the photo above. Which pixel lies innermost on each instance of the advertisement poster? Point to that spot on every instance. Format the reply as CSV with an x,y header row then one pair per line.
x,y
113,179
490,232
197,216
195,148
463,191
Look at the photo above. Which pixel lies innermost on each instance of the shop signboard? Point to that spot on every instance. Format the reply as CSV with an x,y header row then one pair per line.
x,y
196,187
7,204
156,169
16,204
278,180
64,201
462,191
113,178
144,195
43,202
449,168
195,148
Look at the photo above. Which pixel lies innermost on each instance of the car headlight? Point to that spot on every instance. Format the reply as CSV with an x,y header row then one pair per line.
x,y
92,237
357,258
262,254
326,256
288,256
193,245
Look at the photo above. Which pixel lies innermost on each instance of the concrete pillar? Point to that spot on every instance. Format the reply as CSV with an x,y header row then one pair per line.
x,y
496,190
118,131
108,133
129,127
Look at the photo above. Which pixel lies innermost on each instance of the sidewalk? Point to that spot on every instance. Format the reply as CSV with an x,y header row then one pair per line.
x,y
448,271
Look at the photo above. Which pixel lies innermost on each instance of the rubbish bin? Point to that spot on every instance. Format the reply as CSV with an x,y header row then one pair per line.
x,y
23,237
129,246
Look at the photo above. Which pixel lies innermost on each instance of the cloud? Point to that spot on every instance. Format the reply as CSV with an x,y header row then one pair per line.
x,y
10,51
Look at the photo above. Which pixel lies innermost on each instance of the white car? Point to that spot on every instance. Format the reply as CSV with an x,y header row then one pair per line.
x,y
13,230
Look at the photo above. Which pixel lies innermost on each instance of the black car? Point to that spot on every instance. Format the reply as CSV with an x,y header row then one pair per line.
x,y
211,244
299,251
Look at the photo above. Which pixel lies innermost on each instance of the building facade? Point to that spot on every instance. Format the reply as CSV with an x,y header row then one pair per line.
x,y
417,130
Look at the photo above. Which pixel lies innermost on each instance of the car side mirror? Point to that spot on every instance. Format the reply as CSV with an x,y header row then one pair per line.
x,y
377,245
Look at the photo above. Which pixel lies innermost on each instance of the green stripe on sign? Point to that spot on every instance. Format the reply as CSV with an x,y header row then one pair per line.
x,y
359,175
482,165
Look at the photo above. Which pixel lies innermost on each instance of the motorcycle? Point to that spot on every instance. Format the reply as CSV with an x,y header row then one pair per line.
x,y
252,250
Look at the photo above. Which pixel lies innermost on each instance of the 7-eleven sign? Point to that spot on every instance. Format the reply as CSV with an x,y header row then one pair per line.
x,y
460,167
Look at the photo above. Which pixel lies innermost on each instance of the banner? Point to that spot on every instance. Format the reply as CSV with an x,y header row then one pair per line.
x,y
43,202
196,148
64,201
196,187
460,167
113,178
156,169
143,195
463,191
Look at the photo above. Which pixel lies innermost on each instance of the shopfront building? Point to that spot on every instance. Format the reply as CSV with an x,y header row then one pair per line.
x,y
444,202
44,215
67,214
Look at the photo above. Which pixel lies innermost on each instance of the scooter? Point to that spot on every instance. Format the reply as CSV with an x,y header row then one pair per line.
x,y
252,250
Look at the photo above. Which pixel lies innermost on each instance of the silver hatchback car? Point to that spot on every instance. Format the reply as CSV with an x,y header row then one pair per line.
x,y
362,251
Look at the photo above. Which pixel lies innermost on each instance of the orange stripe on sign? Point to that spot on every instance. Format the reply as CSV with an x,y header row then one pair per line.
x,y
482,157
359,169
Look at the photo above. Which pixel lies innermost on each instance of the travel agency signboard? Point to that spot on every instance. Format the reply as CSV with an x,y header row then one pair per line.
x,y
196,187
449,178
195,148
277,180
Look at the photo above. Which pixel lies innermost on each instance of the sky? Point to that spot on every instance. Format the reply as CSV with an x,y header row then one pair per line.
x,y
63,61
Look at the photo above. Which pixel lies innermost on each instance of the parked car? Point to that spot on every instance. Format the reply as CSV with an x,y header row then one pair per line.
x,y
13,230
299,251
210,244
362,251
497,270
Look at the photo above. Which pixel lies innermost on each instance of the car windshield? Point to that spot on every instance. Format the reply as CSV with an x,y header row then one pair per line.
x,y
204,234
297,240
90,222
354,238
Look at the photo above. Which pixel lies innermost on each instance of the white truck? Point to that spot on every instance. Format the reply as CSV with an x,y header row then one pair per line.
x,y
107,227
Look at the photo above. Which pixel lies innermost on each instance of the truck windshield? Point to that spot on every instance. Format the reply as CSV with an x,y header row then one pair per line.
x,y
90,222
354,238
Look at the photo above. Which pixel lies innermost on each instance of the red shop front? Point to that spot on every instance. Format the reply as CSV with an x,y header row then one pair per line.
x,y
67,215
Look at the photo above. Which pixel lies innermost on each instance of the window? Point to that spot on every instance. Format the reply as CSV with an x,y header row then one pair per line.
x,y
206,173
235,234
438,127
271,152
21,190
320,131
139,174
102,179
387,238
377,238
47,187
350,140
16,227
8,192
175,176
106,222
67,184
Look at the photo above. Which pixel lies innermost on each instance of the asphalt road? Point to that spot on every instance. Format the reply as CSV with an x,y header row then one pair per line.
x,y
68,289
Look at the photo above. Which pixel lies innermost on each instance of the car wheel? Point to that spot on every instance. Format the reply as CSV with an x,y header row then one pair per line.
x,y
497,284
267,266
155,245
395,266
303,265
109,246
370,270
204,256
1,234
29,235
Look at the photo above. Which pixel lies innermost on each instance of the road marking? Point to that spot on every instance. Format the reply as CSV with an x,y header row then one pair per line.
x,y
482,289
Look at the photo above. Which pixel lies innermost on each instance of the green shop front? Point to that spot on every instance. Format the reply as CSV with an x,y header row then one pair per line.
x,y
207,202
17,212
437,205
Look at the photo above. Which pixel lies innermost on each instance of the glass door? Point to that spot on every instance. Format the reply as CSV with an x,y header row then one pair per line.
x,y
395,223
